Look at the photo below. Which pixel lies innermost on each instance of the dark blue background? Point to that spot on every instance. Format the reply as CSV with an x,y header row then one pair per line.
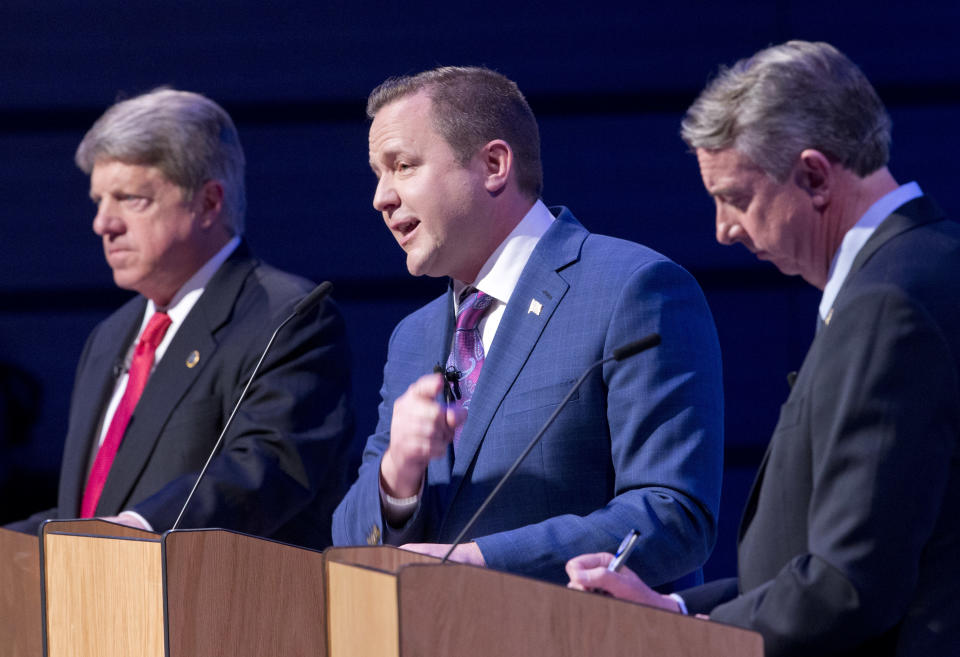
x,y
608,84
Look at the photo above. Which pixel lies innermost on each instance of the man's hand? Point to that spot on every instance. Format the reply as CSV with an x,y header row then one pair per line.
x,y
420,430
464,553
128,519
588,572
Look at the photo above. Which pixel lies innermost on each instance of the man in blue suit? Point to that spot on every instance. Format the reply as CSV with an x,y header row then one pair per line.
x,y
456,155
850,541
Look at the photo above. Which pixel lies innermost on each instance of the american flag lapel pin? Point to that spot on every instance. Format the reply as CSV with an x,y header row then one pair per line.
x,y
535,307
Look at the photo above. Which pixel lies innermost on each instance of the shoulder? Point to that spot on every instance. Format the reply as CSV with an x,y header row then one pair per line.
x,y
918,269
268,292
610,258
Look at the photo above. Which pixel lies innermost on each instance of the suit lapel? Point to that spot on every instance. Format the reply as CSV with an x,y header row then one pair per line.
x,y
91,395
919,211
518,333
172,378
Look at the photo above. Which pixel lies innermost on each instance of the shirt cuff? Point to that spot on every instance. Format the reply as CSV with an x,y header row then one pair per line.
x,y
680,603
136,516
397,510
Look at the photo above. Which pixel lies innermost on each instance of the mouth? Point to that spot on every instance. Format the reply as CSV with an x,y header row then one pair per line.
x,y
116,252
404,230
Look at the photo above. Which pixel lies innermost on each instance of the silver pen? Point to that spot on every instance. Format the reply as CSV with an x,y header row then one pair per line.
x,y
623,552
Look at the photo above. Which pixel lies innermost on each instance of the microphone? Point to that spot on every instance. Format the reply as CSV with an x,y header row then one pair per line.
x,y
618,354
306,303
303,306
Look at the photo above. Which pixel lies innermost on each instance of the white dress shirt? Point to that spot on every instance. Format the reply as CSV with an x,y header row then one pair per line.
x,y
857,236
178,309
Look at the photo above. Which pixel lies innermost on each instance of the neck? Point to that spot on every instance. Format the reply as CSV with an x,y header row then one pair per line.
x,y
851,199
505,216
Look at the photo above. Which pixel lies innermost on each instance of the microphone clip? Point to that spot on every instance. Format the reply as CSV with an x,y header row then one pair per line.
x,y
451,383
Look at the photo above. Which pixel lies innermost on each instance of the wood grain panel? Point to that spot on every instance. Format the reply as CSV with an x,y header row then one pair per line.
x,y
104,596
470,611
362,613
20,618
233,594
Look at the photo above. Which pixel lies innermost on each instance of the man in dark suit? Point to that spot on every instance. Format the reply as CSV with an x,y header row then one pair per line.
x,y
850,541
456,154
166,175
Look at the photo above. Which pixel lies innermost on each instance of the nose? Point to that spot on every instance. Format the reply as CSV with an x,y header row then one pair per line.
x,y
726,229
385,198
107,222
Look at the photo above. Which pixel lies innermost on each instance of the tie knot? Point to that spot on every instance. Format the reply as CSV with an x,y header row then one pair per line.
x,y
156,329
472,309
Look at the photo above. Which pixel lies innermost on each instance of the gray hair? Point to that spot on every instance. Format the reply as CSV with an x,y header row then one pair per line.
x,y
187,136
471,106
787,98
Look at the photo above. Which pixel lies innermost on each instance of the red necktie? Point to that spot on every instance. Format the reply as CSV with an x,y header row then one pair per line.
x,y
140,368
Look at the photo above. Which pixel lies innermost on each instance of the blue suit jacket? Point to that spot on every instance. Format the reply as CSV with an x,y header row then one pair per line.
x,y
850,541
639,446
280,470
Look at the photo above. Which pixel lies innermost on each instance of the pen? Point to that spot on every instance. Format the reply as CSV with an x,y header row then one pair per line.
x,y
623,552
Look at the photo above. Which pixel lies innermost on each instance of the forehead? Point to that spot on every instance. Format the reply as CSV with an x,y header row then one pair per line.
x,y
727,168
115,173
405,122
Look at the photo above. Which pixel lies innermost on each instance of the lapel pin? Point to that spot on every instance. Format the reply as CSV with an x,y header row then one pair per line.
x,y
535,307
826,320
193,359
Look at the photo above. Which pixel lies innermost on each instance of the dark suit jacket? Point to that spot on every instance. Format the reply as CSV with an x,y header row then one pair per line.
x,y
639,446
281,469
850,542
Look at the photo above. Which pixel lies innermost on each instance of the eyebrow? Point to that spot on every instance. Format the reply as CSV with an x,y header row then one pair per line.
x,y
727,189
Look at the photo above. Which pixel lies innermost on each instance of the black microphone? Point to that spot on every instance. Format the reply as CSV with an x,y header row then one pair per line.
x,y
305,304
636,347
618,354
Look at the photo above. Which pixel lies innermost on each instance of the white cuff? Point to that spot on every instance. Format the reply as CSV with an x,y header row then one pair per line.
x,y
681,603
397,510
136,516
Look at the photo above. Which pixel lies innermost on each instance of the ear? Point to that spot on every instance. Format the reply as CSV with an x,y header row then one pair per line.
x,y
209,200
496,158
815,175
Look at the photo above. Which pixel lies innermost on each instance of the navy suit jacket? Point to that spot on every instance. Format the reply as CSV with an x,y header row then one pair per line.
x,y
850,541
281,469
639,446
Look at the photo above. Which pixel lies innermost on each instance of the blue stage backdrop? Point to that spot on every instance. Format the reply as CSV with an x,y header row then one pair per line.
x,y
608,83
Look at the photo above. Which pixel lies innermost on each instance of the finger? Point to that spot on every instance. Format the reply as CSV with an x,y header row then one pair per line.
x,y
428,385
456,415
592,560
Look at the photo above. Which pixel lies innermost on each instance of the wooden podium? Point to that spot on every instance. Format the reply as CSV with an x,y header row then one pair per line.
x,y
20,611
387,602
113,591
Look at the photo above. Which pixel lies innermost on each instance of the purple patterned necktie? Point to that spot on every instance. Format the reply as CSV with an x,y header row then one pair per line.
x,y
467,354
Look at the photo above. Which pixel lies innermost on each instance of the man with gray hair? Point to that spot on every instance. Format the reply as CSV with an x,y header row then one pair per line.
x,y
158,379
850,541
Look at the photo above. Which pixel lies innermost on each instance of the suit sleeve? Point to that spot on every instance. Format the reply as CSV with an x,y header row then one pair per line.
x,y
286,450
883,424
358,518
664,419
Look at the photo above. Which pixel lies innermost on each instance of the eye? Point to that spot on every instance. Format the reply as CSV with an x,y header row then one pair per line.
x,y
136,203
